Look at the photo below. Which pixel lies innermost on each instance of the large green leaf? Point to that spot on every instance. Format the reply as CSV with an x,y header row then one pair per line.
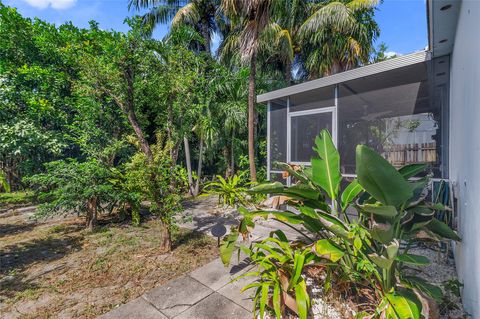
x,y
325,249
411,170
442,230
380,210
382,232
350,193
263,298
326,167
380,179
381,261
403,304
413,259
298,262
302,298
276,300
268,188
421,284
280,215
227,247
302,191
333,224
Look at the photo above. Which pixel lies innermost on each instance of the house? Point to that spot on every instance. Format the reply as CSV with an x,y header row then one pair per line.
x,y
421,107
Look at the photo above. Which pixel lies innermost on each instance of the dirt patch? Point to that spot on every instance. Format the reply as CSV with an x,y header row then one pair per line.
x,y
56,269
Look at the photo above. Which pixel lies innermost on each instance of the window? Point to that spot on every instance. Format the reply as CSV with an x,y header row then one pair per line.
x,y
304,128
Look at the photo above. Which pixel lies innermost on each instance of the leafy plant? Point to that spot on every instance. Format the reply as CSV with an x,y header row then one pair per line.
x,y
74,187
4,182
229,190
372,251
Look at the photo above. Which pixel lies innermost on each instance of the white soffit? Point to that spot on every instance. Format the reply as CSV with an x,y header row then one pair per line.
x,y
442,25
360,72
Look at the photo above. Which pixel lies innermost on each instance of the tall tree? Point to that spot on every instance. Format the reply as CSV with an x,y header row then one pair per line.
x,y
199,14
249,18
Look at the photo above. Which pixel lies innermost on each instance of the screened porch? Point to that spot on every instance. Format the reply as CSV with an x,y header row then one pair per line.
x,y
398,107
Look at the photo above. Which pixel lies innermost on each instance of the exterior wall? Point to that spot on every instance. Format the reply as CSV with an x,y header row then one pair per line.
x,y
465,149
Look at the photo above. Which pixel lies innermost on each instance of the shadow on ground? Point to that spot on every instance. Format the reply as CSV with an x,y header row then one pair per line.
x,y
21,255
15,229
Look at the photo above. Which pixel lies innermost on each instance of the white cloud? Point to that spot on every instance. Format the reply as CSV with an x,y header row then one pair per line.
x,y
391,54
55,4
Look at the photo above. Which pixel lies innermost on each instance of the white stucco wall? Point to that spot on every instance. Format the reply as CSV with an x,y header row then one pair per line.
x,y
465,148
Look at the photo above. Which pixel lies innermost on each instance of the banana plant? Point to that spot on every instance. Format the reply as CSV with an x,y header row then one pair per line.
x,y
392,214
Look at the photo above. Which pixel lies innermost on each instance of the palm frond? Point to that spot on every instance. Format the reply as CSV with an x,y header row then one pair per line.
x,y
188,14
358,5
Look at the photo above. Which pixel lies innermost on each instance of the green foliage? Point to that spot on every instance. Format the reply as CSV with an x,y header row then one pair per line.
x,y
4,182
156,181
68,186
229,190
17,197
367,252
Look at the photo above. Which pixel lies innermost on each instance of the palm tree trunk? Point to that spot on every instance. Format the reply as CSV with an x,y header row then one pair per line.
x,y
251,118
189,165
288,72
199,168
232,153
206,37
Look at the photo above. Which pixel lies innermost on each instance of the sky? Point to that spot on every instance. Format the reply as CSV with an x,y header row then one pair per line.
x,y
403,23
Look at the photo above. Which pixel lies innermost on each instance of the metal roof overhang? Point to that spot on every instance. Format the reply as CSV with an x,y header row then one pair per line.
x,y
364,71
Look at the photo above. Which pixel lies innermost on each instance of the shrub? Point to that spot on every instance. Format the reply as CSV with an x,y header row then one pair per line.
x,y
372,252
73,187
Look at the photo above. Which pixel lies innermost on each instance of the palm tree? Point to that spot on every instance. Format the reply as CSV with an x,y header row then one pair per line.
x,y
199,14
248,19
338,35
284,29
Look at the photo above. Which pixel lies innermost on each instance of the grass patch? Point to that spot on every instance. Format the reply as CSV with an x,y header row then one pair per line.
x,y
17,198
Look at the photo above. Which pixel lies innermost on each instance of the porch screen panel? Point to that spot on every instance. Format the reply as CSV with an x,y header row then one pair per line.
x,y
314,99
304,129
398,113
278,132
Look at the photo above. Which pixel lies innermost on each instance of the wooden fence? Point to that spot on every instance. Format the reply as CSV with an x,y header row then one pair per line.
x,y
401,154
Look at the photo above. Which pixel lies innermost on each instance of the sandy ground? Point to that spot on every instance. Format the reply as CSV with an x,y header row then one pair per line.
x,y
57,269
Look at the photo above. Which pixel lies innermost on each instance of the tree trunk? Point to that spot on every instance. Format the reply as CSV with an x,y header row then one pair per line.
x,y
132,118
141,139
226,156
165,237
232,153
206,37
189,166
91,218
251,118
288,72
199,168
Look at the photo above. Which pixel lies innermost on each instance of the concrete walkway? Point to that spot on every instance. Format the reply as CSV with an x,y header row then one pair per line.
x,y
207,292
